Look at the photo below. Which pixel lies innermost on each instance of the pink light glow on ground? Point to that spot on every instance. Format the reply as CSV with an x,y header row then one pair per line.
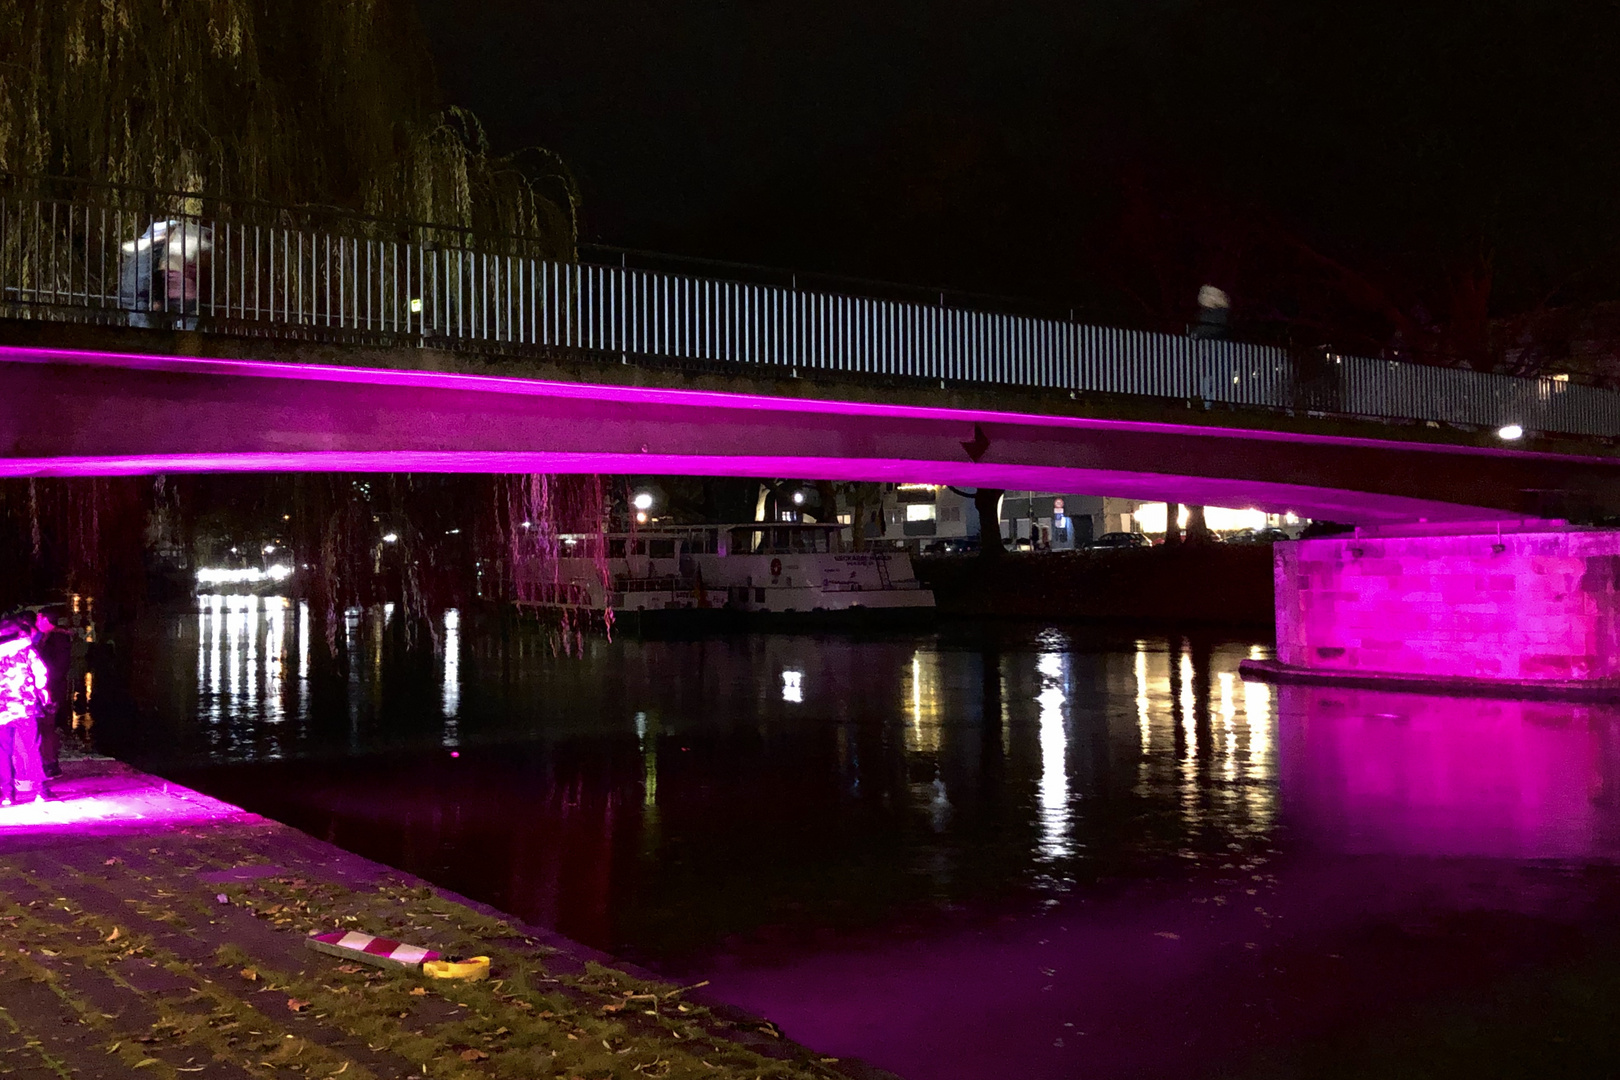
x,y
96,794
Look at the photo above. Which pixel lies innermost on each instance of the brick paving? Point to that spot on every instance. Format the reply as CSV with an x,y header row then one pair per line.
x,y
147,930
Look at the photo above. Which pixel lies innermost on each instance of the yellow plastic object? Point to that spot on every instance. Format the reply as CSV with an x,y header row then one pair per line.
x,y
471,969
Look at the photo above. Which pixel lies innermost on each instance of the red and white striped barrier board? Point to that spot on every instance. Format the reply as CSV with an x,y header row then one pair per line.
x,y
370,950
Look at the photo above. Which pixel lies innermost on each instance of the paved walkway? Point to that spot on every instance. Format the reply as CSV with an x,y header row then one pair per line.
x,y
149,930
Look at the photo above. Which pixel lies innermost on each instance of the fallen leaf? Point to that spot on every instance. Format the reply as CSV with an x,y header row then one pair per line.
x,y
250,974
418,991
296,1005
112,936
144,1062
112,862
221,898
1168,934
473,1055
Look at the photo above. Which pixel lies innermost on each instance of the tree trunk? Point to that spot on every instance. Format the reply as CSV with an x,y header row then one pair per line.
x,y
857,518
987,501
1197,530
827,496
1172,524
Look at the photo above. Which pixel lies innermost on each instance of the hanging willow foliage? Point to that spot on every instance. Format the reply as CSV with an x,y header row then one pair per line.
x,y
299,102
306,103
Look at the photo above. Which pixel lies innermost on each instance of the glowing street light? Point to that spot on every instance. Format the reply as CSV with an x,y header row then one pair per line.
x,y
798,498
643,500
269,549
390,538
1510,432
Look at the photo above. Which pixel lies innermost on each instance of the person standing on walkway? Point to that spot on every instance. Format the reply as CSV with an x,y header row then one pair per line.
x,y
55,647
24,698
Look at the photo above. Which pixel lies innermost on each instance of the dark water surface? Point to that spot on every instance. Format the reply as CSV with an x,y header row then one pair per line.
x,y
976,851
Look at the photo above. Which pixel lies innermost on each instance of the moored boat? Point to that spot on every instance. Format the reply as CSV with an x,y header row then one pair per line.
x,y
768,571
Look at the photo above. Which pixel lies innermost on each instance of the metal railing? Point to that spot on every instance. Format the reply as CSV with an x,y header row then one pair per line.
x,y
197,263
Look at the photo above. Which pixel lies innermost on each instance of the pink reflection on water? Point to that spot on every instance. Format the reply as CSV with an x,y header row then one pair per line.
x,y
1367,772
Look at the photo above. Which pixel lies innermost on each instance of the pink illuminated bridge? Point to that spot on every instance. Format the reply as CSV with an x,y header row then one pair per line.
x,y
69,412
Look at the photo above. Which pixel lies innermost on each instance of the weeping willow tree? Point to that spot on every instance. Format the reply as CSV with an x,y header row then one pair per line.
x,y
299,102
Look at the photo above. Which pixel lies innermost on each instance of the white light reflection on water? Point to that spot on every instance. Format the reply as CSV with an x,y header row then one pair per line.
x,y
923,732
1257,707
1189,705
451,703
205,635
1054,789
303,640
216,644
1228,727
1144,723
235,620
275,657
351,644
251,673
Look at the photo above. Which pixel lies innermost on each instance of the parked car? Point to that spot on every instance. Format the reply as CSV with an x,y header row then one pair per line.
x,y
1116,540
956,545
1257,536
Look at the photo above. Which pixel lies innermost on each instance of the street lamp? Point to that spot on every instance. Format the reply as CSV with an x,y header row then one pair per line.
x,y
390,538
642,501
1510,432
798,498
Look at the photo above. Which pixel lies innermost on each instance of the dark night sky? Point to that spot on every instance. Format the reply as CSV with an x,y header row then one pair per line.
x,y
990,146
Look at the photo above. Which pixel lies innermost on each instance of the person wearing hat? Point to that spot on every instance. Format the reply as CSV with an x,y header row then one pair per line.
x,y
24,698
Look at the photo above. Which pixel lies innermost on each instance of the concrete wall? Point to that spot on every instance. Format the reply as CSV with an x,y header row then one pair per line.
x,y
1529,606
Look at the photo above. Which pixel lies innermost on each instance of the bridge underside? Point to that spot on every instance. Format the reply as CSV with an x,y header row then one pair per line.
x,y
77,413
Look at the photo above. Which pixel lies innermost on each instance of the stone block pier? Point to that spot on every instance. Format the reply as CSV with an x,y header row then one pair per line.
x,y
1529,610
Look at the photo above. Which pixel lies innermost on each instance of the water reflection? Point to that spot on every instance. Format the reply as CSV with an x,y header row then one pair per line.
x,y
897,770
857,777
1374,773
793,687
1054,791
450,698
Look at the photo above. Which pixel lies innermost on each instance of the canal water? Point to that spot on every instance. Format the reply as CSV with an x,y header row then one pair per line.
x,y
975,850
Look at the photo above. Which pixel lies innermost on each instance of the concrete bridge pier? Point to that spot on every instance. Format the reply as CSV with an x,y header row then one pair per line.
x,y
1530,609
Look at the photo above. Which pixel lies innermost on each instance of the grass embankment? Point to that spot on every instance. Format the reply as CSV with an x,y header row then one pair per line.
x,y
152,967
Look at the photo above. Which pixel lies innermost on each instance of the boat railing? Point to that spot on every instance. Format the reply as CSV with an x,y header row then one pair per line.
x,y
856,586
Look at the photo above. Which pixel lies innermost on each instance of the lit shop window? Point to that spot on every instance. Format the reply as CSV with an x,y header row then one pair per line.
x,y
919,511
